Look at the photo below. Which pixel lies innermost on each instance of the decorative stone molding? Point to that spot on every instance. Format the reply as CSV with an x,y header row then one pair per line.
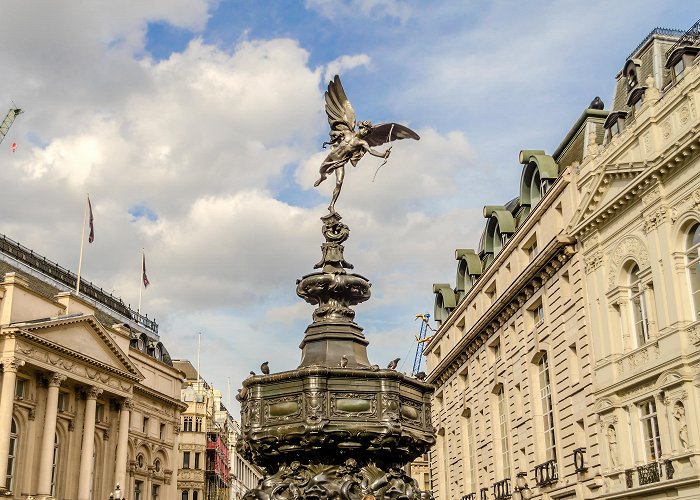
x,y
93,392
632,247
694,334
593,261
32,413
684,114
56,380
638,358
127,404
11,365
71,425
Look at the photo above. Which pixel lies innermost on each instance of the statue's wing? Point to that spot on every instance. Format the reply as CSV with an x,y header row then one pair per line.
x,y
387,132
338,107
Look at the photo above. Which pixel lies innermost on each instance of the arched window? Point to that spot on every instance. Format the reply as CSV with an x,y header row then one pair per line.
x,y
12,456
550,439
693,264
185,495
54,465
640,318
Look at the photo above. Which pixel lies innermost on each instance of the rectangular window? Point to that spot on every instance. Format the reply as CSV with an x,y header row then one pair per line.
x,y
187,424
532,251
199,425
550,440
195,495
185,495
503,430
138,487
62,401
144,425
679,69
155,491
472,452
21,388
161,432
639,312
196,460
538,314
650,430
185,459
99,412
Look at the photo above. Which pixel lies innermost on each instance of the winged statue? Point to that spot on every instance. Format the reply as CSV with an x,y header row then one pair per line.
x,y
350,145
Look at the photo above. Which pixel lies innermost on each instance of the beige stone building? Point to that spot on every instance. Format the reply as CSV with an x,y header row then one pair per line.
x,y
89,396
566,358
211,468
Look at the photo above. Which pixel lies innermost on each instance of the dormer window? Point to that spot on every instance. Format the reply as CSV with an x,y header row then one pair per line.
x,y
631,73
681,58
632,79
614,124
636,98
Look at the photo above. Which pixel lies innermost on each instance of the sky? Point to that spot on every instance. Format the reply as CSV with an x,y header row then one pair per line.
x,y
196,127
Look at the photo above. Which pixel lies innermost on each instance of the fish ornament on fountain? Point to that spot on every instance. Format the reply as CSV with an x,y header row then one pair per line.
x,y
337,427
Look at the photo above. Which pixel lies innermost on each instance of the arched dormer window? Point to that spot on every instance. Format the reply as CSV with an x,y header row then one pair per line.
x,y
631,73
142,343
539,173
692,258
499,228
468,270
680,59
444,301
614,124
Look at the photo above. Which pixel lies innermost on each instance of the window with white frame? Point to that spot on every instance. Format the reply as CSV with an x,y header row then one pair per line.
x,y
187,424
550,438
54,465
692,257
471,444
12,456
640,318
503,431
650,430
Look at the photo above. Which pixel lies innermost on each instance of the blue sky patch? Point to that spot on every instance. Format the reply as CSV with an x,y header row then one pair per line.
x,y
141,211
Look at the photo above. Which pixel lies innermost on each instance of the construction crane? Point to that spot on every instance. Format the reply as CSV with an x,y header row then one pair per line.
x,y
421,340
7,122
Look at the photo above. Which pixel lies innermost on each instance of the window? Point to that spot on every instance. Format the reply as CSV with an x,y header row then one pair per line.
x,y
640,321
21,388
693,264
12,455
679,69
161,432
53,466
650,430
196,460
532,251
614,129
185,459
99,412
138,487
631,79
185,495
187,424
144,425
503,431
198,425
195,495
550,440
471,450
538,314
496,350
155,491
62,402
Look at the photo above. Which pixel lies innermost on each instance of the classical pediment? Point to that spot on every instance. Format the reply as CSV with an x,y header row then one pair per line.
x,y
610,191
82,337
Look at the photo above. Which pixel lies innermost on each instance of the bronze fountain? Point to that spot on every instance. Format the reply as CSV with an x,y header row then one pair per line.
x,y
337,427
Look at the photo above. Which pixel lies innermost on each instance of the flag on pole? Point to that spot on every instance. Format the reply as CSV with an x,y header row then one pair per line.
x,y
143,272
91,238
14,147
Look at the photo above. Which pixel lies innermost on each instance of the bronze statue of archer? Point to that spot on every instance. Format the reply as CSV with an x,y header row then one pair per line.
x,y
350,145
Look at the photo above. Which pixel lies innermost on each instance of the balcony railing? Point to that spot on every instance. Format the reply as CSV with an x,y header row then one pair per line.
x,y
688,38
546,473
484,493
649,473
579,460
501,489
470,496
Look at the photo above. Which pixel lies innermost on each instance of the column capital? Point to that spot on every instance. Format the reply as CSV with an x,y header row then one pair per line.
x,y
93,392
127,404
56,379
11,364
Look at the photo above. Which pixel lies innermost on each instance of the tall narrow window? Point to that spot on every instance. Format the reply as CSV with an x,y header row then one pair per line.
x,y
155,491
503,431
650,429
198,424
185,459
693,263
12,456
144,426
550,440
138,487
187,424
471,444
54,465
639,308
185,495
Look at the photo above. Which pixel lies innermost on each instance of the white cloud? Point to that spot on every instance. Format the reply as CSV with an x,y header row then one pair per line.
x,y
375,9
345,63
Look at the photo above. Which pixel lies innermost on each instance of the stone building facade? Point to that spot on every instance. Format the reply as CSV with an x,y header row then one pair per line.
x,y
89,396
566,357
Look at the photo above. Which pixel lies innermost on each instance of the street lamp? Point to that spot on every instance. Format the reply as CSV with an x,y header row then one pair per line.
x,y
521,490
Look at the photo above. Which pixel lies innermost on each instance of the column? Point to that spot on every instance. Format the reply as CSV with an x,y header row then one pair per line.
x,y
49,435
122,443
88,448
7,399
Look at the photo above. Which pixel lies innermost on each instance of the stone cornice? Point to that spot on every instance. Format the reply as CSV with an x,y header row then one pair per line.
x,y
553,256
161,397
40,341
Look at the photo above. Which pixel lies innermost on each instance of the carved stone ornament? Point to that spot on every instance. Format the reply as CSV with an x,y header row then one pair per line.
x,y
11,364
93,392
593,261
351,480
631,247
56,380
127,404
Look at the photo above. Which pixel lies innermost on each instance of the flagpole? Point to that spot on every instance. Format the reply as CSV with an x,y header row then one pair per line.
x,y
143,257
82,244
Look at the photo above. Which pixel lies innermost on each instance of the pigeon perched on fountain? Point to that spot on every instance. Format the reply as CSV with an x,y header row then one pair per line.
x,y
265,368
393,364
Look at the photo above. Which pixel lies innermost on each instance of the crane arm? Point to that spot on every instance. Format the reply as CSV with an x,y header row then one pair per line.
x,y
7,122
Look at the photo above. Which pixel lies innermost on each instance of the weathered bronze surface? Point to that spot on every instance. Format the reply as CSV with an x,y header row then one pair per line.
x,y
349,145
337,427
